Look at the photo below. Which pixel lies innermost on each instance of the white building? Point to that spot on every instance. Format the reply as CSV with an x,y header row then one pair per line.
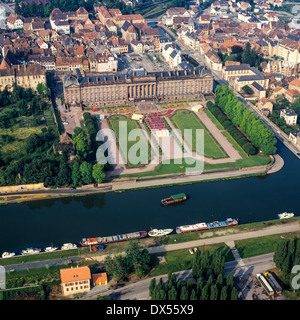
x,y
295,137
290,116
14,22
172,56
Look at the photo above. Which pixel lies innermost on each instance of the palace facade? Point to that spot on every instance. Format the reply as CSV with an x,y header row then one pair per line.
x,y
105,90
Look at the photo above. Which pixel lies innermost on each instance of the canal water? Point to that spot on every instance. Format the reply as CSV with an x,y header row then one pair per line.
x,y
45,222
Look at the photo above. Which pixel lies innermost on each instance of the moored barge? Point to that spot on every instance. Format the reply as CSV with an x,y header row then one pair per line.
x,y
204,226
111,239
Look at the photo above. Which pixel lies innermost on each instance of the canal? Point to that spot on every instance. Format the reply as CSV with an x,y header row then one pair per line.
x,y
56,221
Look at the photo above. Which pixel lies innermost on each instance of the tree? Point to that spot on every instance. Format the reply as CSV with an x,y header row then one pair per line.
x,y
205,293
81,144
280,253
234,294
115,267
152,287
43,90
196,268
98,173
64,174
193,295
287,265
140,260
184,294
86,172
172,294
230,281
76,175
205,261
214,292
223,295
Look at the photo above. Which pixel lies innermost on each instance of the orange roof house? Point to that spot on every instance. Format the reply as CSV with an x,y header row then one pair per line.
x,y
75,280
99,278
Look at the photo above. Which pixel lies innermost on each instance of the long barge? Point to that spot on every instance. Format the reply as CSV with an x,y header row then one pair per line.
x,y
204,226
110,239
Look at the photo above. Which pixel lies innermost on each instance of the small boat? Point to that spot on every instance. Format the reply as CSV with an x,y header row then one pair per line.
x,y
67,246
50,249
159,232
8,254
30,251
285,215
176,198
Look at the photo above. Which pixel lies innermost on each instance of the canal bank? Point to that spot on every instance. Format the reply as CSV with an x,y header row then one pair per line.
x,y
142,183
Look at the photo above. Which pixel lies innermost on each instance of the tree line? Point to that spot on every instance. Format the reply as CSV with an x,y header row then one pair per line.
x,y
33,10
235,133
260,135
207,282
287,254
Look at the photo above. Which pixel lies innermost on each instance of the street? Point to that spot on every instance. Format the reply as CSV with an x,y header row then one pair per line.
x,y
244,279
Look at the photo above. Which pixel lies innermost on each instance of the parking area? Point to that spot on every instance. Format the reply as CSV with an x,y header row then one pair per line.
x,y
151,62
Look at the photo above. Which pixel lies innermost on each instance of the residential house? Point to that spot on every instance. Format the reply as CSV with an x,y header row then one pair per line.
x,y
14,21
295,84
290,116
75,280
137,46
265,105
129,32
295,137
107,62
292,95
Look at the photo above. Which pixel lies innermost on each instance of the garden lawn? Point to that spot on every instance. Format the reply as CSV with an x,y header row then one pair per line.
x,y
186,119
121,140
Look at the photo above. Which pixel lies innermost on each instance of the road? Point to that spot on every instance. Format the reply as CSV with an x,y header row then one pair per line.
x,y
280,135
7,7
41,264
244,276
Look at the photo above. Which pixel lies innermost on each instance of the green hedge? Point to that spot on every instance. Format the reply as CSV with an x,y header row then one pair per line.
x,y
236,134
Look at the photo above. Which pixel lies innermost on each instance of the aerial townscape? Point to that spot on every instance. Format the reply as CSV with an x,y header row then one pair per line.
x,y
149,150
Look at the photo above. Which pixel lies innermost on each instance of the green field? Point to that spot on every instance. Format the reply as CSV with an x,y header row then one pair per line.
x,y
114,122
185,119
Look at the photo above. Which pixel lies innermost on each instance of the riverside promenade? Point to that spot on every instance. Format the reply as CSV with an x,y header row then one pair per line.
x,y
152,181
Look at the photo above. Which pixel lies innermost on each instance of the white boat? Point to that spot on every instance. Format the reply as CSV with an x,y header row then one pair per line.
x,y
159,232
67,246
30,251
285,215
8,254
50,249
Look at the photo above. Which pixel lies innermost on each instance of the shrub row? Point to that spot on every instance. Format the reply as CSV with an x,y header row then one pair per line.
x,y
235,133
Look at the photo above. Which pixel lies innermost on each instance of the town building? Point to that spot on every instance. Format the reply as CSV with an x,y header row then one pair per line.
x,y
14,21
172,56
26,76
243,75
295,137
290,116
75,280
136,85
99,279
